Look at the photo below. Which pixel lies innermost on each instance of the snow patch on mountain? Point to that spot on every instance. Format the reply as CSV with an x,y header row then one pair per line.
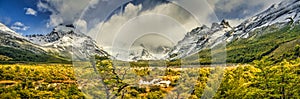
x,y
282,14
141,53
198,39
286,11
10,38
68,42
7,30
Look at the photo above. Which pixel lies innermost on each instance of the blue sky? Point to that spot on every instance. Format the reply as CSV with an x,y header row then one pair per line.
x,y
14,11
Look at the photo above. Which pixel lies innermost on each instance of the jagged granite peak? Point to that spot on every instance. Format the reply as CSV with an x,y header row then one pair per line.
x,y
57,33
69,42
9,31
163,49
10,38
198,39
141,54
225,24
5,28
284,13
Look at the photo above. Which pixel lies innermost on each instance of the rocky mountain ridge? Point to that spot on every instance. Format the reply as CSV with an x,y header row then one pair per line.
x,y
278,16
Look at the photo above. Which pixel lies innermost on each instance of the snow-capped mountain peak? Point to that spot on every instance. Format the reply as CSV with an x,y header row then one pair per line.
x,y
199,38
68,42
284,13
11,39
5,29
142,53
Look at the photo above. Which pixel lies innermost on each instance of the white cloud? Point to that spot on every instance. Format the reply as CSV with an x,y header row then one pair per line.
x,y
19,26
64,11
30,11
172,20
164,18
235,22
81,25
110,28
200,9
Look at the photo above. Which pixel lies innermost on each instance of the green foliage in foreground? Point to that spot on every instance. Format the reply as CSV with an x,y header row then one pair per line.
x,y
260,79
38,81
263,79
